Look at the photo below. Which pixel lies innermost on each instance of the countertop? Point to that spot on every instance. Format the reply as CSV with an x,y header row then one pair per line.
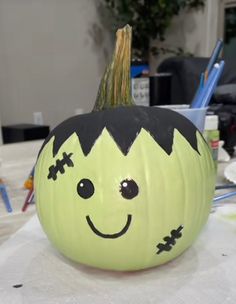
x,y
17,160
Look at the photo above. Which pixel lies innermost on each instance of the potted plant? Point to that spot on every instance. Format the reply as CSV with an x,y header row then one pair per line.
x,y
149,20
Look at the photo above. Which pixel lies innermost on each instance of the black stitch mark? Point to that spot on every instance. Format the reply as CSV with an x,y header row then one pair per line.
x,y
53,170
17,285
170,241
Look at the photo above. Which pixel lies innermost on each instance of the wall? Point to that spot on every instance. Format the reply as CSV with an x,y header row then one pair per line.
x,y
52,55
196,32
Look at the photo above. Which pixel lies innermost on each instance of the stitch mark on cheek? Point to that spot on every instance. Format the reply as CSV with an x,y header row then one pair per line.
x,y
60,164
170,241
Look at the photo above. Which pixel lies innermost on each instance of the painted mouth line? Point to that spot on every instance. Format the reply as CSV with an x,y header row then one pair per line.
x,y
170,241
110,236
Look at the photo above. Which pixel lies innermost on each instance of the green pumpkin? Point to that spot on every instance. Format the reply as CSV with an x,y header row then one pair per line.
x,y
125,187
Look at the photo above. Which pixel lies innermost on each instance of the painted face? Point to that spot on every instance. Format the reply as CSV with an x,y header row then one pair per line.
x,y
124,212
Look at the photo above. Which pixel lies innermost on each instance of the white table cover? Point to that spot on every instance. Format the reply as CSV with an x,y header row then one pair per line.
x,y
206,273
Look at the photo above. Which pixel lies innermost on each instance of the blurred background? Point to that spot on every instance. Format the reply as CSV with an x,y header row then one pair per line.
x,y
53,52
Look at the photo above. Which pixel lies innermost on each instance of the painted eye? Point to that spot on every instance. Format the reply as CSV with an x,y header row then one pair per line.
x,y
128,188
85,188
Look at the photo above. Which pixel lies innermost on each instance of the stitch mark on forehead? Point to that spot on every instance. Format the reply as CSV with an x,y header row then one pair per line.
x,y
59,167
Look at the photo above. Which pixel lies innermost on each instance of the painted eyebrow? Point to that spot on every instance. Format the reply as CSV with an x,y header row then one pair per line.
x,y
60,164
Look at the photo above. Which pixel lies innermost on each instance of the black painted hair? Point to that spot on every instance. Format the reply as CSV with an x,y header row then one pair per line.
x,y
124,124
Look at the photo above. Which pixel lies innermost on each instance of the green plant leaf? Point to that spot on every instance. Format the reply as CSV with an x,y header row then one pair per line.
x,y
149,19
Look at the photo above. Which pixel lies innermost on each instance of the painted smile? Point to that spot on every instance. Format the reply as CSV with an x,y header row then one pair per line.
x,y
170,241
110,236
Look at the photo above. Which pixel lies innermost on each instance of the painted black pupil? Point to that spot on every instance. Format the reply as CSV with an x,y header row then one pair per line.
x,y
128,189
85,188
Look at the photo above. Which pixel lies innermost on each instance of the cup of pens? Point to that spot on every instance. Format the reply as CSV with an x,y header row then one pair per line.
x,y
196,111
209,79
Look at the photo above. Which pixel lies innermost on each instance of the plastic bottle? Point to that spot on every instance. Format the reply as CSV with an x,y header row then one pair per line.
x,y
212,135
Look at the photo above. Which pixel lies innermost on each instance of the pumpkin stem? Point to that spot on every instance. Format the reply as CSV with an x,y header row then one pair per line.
x,y
115,87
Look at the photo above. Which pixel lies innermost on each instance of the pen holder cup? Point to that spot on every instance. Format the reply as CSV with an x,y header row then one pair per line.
x,y
195,115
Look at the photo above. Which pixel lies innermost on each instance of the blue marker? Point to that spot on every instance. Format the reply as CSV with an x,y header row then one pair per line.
x,y
200,88
214,56
206,93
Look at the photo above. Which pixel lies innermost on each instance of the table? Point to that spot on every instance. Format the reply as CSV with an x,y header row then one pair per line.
x,y
17,161
31,271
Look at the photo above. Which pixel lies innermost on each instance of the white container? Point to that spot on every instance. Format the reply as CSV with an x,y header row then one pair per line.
x,y
212,135
196,116
211,122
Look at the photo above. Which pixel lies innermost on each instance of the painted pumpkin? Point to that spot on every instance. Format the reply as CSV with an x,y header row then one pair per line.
x,y
124,187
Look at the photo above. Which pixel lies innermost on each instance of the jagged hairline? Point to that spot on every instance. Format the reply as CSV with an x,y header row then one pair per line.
x,y
137,134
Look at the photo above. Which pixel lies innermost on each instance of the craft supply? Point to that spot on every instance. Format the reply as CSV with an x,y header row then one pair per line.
x,y
224,196
5,197
200,87
212,135
203,95
195,115
29,199
214,56
28,184
226,186
206,93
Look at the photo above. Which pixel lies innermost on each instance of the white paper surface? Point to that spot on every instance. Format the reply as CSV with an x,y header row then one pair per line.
x,y
206,273
230,172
